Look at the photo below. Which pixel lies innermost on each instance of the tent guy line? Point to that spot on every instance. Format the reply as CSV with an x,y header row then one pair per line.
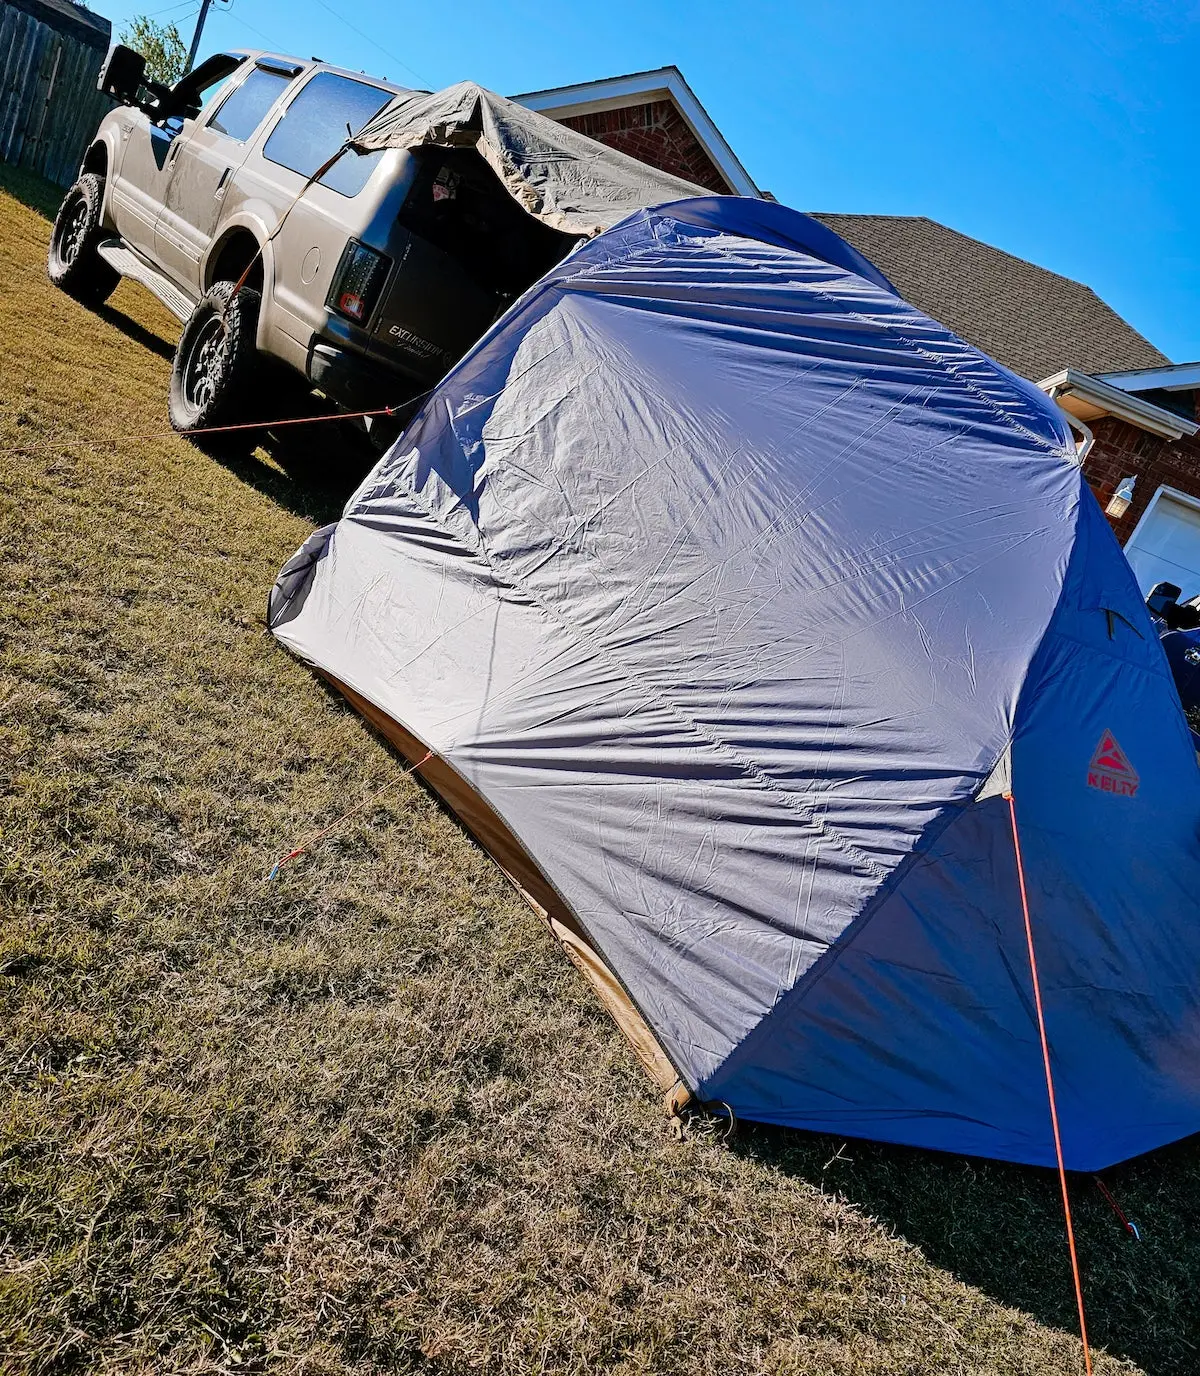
x,y
1052,1098
168,434
342,820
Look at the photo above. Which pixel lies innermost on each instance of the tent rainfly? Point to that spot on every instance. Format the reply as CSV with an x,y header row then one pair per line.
x,y
742,607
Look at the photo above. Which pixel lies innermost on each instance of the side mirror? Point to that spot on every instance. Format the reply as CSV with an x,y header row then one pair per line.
x,y
122,75
1161,596
185,99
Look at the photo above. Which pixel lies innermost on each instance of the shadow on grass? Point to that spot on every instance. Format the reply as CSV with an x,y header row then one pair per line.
x,y
31,190
309,470
1000,1229
136,332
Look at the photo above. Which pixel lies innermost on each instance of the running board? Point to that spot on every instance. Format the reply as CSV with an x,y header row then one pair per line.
x,y
128,264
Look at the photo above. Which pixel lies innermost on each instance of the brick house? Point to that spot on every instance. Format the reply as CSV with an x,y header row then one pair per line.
x,y
1137,411
1145,427
654,117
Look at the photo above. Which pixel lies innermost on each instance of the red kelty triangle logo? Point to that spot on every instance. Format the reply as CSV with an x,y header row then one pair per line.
x,y
1110,770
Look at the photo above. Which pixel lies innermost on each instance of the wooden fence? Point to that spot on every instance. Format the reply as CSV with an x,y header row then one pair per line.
x,y
49,105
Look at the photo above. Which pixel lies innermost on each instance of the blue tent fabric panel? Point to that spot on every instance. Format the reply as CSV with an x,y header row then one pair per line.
x,y
918,1028
727,578
927,1000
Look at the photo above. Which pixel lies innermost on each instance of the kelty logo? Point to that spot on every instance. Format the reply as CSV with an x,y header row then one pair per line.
x,y
1110,770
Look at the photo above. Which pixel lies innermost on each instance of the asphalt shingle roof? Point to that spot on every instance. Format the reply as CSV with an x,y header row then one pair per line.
x,y
1031,320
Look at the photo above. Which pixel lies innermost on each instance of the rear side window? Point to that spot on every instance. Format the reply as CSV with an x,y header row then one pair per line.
x,y
245,108
315,125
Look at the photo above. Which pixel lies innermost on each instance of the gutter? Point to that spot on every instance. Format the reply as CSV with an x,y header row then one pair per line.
x,y
1104,399
1081,450
1173,377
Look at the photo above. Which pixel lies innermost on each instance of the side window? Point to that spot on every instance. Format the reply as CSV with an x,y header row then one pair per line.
x,y
317,123
244,109
205,97
208,96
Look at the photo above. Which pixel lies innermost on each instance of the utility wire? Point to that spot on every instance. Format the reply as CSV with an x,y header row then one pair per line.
x,y
183,4
245,23
270,42
337,14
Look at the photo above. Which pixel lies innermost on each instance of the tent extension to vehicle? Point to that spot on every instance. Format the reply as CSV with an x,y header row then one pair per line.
x,y
731,596
558,175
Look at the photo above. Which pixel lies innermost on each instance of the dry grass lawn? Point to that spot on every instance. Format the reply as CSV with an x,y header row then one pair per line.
x,y
367,1118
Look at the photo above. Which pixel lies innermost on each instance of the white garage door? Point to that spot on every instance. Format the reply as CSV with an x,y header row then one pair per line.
x,y
1165,547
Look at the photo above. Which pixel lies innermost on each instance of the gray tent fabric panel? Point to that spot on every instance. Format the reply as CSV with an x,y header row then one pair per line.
x,y
557,174
579,582
518,709
727,579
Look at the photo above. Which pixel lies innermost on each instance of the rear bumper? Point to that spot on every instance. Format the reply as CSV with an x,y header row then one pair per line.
x,y
354,381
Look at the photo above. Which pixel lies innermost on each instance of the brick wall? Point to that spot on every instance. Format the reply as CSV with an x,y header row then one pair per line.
x,y
655,133
1122,450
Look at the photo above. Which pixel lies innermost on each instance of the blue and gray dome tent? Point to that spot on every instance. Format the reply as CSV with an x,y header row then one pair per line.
x,y
732,596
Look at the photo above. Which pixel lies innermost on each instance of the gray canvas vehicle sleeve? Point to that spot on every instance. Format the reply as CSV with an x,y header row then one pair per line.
x,y
562,177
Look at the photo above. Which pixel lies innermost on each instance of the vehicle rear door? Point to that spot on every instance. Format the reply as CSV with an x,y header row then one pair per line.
x,y
203,163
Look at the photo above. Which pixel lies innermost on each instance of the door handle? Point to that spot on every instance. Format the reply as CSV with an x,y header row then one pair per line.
x,y
220,191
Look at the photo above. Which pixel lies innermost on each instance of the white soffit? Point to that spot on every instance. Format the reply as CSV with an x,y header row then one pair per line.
x,y
1089,397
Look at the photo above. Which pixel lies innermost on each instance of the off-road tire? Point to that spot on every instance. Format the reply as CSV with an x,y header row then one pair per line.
x,y
73,263
213,373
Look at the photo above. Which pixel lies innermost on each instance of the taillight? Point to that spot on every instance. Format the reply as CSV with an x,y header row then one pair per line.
x,y
358,281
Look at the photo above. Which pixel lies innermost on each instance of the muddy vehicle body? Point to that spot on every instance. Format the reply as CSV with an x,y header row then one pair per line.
x,y
365,277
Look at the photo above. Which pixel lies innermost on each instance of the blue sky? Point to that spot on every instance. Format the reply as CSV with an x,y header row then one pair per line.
x,y
1063,131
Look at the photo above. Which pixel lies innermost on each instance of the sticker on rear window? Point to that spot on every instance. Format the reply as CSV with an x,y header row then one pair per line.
x,y
1110,770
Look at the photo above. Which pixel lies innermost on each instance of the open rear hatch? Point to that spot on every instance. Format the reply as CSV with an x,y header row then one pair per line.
x,y
468,251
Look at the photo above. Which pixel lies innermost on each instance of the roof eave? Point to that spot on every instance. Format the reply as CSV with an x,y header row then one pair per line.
x,y
1094,398
1172,377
